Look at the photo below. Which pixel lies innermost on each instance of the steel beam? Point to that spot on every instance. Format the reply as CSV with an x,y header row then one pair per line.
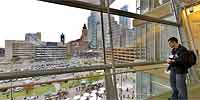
x,y
35,73
93,7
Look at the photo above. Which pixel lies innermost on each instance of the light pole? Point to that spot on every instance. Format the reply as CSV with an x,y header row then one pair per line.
x,y
97,34
11,92
121,88
13,61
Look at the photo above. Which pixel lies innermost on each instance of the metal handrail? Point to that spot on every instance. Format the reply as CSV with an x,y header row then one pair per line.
x,y
25,74
79,78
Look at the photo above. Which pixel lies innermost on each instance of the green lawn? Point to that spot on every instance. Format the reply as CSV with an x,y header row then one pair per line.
x,y
70,84
41,90
75,83
36,91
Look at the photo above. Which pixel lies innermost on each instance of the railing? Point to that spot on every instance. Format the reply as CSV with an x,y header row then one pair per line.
x,y
123,70
24,74
140,80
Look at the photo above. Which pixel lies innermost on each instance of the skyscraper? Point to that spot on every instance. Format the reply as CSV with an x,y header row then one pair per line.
x,y
130,37
92,29
95,31
124,25
124,21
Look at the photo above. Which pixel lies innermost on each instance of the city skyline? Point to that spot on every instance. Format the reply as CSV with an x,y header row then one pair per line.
x,y
31,16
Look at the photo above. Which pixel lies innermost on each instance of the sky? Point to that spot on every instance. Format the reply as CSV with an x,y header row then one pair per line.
x,y
18,17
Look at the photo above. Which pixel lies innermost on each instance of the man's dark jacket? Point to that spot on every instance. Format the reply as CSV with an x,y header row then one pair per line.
x,y
178,67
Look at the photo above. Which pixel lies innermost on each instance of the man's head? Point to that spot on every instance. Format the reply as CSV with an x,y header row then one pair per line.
x,y
173,42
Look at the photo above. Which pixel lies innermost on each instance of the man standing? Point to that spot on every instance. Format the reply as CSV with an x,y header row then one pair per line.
x,y
178,71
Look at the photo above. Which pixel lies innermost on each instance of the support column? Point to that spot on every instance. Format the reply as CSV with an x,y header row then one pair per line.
x,y
110,94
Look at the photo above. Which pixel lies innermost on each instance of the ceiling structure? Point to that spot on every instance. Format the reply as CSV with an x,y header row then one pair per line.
x,y
87,4
96,2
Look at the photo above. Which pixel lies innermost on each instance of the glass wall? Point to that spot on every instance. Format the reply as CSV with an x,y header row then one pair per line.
x,y
75,42
155,39
148,85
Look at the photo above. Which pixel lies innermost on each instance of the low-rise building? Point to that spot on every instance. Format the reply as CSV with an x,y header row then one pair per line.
x,y
126,55
20,49
33,49
79,45
50,51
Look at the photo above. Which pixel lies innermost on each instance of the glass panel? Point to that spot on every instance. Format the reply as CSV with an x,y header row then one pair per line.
x,y
125,5
160,9
126,84
154,38
55,86
140,6
158,3
136,40
142,85
144,6
148,85
133,41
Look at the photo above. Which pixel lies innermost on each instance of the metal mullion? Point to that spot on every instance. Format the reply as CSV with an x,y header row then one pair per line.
x,y
111,45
